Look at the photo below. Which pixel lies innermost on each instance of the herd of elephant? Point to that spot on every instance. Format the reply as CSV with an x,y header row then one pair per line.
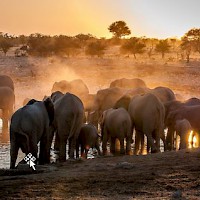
x,y
73,116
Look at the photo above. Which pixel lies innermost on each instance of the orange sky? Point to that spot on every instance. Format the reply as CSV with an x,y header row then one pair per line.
x,y
151,18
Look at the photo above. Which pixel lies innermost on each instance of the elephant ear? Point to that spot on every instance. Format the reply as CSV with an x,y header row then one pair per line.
x,y
50,109
56,95
32,101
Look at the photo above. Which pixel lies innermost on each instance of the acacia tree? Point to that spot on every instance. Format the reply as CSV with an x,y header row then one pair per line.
x,y
163,47
133,46
119,29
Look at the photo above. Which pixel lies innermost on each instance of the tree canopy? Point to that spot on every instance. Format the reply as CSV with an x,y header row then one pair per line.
x,y
163,47
119,29
192,39
133,46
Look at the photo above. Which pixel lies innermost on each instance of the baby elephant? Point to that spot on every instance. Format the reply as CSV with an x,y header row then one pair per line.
x,y
183,129
116,124
88,138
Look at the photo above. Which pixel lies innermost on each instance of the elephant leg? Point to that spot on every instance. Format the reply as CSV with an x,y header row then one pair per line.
x,y
82,151
117,145
122,151
156,134
34,151
142,143
86,153
62,152
13,154
154,148
104,143
150,140
112,145
44,155
72,144
98,148
170,139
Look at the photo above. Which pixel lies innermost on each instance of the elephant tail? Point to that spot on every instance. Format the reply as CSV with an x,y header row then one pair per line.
x,y
25,142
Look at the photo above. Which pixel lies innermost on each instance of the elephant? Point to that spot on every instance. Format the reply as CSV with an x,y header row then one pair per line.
x,y
165,94
125,100
116,124
128,83
192,101
147,114
6,81
88,138
183,129
7,103
29,126
191,113
105,99
76,87
69,116
26,100
171,106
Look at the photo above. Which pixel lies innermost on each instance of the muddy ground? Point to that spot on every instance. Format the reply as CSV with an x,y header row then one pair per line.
x,y
169,175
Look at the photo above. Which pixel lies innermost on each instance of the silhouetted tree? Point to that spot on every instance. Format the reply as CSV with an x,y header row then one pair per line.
x,y
95,49
132,46
5,42
193,37
119,29
186,46
163,47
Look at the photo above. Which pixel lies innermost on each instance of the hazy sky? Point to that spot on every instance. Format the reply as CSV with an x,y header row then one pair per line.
x,y
150,18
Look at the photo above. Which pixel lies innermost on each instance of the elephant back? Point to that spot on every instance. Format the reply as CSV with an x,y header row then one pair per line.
x,y
146,107
164,94
128,83
6,81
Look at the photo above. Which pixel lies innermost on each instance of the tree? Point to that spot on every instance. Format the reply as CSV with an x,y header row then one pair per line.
x,y
95,48
5,43
119,29
193,37
39,44
132,46
186,46
163,47
66,45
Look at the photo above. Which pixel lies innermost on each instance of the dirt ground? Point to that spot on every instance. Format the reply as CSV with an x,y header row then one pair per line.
x,y
169,175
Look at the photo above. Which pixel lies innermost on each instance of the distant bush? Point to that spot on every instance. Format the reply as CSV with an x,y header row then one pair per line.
x,y
40,45
95,49
65,45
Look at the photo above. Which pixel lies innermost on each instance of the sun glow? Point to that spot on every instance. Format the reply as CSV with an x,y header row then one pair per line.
x,y
192,140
